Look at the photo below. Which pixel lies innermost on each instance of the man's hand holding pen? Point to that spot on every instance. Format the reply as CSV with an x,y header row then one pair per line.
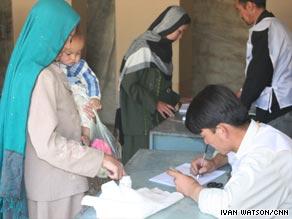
x,y
200,166
197,169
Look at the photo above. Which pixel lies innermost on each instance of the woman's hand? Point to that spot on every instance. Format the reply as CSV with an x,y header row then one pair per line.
x,y
165,109
115,168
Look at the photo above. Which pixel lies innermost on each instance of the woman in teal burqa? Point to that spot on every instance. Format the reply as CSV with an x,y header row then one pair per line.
x,y
44,167
146,95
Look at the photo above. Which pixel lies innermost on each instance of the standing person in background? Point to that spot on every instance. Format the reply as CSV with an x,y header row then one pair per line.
x,y
44,166
268,82
82,80
146,95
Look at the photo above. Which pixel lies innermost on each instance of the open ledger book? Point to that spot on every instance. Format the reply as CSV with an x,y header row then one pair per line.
x,y
166,179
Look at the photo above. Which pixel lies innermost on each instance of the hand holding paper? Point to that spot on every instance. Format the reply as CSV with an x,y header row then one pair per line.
x,y
166,179
186,183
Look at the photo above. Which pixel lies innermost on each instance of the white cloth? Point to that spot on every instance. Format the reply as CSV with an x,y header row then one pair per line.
x,y
261,175
123,202
81,100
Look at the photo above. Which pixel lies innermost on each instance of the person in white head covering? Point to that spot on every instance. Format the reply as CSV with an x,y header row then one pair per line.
x,y
146,95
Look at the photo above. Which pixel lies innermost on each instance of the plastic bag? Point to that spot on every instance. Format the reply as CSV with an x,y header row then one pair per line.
x,y
103,139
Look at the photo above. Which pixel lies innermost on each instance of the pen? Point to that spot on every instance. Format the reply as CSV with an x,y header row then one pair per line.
x,y
203,159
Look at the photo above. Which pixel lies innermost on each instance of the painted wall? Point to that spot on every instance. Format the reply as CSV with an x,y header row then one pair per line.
x,y
20,11
281,9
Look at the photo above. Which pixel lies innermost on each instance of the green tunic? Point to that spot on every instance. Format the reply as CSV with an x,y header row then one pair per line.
x,y
140,92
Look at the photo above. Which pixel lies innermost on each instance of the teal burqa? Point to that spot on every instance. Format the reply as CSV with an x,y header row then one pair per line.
x,y
43,35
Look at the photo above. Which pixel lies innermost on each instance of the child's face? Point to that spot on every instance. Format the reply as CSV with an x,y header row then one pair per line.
x,y
71,53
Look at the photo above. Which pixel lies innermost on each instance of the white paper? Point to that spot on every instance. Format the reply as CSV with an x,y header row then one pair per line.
x,y
166,179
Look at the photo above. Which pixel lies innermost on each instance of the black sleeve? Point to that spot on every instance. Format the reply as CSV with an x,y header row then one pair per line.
x,y
260,69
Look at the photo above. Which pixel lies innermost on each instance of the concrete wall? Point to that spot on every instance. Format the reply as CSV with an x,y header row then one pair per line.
x,y
6,37
101,55
219,38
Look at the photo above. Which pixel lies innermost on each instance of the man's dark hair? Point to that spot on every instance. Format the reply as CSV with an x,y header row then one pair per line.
x,y
213,105
259,3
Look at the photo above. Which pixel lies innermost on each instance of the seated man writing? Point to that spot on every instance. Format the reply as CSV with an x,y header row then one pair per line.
x,y
261,168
